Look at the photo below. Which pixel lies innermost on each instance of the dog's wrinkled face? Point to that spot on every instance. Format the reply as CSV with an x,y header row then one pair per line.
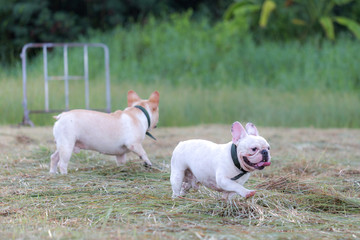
x,y
151,104
253,150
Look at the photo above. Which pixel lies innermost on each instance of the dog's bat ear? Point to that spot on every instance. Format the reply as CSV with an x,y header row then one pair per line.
x,y
251,129
238,132
132,97
154,97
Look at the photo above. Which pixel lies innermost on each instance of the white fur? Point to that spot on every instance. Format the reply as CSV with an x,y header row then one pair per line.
x,y
212,165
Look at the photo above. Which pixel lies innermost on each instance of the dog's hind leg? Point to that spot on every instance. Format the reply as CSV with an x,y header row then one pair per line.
x,y
176,179
177,176
227,196
188,182
120,159
54,162
65,152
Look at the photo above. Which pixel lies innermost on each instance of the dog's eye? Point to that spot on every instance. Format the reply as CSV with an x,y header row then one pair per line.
x,y
268,148
254,149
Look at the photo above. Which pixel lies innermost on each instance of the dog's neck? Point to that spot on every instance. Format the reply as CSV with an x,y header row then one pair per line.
x,y
236,162
146,113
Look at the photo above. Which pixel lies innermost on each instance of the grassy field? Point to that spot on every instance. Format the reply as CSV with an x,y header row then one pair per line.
x,y
311,190
187,106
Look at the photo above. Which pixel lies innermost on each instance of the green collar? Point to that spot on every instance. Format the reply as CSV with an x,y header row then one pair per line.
x,y
148,120
236,162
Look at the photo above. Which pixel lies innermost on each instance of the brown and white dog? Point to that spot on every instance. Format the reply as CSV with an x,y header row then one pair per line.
x,y
222,167
116,133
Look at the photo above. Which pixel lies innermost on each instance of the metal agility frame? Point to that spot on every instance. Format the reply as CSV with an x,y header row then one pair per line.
x,y
66,77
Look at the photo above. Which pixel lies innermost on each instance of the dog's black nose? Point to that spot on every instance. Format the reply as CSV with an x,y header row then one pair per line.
x,y
264,153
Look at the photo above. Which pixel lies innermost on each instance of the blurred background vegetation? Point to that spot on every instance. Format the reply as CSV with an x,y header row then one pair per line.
x,y
273,62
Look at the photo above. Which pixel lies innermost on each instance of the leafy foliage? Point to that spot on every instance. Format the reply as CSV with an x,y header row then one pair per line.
x,y
296,18
322,12
67,20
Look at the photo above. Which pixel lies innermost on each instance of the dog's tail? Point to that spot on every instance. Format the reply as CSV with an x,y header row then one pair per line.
x,y
57,117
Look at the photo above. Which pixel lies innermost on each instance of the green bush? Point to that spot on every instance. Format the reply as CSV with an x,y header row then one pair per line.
x,y
184,52
295,19
25,21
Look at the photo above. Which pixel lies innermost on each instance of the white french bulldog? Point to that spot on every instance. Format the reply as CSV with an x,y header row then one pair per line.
x,y
114,133
222,167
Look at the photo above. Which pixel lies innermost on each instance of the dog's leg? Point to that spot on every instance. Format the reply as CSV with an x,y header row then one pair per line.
x,y
139,150
189,181
76,149
232,186
120,159
65,155
227,196
194,183
176,179
54,162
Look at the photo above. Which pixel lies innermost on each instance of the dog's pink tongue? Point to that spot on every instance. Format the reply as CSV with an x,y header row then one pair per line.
x,y
260,164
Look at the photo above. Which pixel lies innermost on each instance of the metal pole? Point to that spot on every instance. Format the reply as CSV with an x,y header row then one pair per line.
x,y
107,73
46,78
86,76
66,77
26,119
23,61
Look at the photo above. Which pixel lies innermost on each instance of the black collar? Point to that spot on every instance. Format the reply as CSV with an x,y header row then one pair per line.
x,y
148,119
236,162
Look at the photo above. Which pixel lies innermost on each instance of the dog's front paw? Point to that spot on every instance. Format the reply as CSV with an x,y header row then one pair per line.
x,y
147,165
250,194
174,196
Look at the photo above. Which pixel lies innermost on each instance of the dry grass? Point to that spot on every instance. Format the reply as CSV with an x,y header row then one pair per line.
x,y
311,191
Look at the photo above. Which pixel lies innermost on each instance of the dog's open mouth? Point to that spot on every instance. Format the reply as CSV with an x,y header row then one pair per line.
x,y
260,165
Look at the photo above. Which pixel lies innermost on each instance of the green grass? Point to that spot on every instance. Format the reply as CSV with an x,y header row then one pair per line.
x,y
184,106
311,190
204,77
